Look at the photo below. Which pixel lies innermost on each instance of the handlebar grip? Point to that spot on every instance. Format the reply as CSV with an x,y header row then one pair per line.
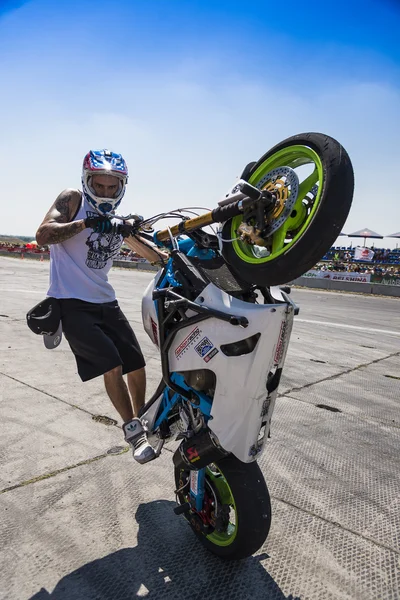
x,y
250,191
125,229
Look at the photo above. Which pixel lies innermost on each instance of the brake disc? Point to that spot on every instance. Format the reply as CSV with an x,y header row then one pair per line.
x,y
284,184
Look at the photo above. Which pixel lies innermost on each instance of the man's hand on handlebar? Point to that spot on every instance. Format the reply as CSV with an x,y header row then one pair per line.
x,y
104,225
99,224
126,229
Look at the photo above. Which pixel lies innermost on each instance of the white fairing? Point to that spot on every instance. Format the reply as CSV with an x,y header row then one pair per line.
x,y
242,406
149,315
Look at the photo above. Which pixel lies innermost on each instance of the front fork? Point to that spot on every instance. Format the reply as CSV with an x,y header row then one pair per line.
x,y
197,481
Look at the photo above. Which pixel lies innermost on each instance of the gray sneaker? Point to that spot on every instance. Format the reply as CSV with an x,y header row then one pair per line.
x,y
136,436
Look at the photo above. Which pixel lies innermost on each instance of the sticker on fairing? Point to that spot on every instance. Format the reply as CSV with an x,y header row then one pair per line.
x,y
281,343
188,341
194,482
204,346
154,329
210,355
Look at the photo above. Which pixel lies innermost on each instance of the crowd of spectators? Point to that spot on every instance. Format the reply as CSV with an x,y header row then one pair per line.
x,y
382,256
124,254
379,270
385,262
22,247
10,245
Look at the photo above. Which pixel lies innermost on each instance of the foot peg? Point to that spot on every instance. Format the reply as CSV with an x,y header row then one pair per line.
x,y
182,508
159,447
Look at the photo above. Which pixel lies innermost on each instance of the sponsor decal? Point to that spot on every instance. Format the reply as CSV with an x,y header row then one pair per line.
x,y
194,482
359,278
188,341
281,343
192,454
211,355
386,279
154,329
265,406
339,276
204,346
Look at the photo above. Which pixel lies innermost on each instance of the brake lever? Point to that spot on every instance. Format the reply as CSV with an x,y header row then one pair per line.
x,y
134,217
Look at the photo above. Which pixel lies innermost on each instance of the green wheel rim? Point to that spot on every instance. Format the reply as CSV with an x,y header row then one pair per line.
x,y
293,157
218,480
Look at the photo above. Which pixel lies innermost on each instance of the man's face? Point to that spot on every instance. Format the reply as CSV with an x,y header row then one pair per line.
x,y
105,186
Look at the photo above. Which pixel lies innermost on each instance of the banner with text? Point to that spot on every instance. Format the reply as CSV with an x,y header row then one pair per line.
x,y
339,276
385,279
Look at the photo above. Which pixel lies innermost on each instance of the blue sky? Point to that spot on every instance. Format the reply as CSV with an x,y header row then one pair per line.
x,y
190,92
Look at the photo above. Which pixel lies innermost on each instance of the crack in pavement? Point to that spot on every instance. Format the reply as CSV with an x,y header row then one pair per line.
x,y
280,395
336,524
68,468
56,472
32,387
11,319
336,375
126,449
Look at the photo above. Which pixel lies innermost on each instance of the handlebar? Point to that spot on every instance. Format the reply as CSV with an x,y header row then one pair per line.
x,y
242,197
222,213
251,191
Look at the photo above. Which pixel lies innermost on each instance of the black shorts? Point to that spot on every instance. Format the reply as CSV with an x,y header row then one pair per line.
x,y
100,338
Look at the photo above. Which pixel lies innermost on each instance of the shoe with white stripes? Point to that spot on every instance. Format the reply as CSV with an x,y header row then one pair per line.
x,y
136,436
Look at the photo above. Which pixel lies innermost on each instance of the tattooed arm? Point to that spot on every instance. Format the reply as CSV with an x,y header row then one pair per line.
x,y
57,227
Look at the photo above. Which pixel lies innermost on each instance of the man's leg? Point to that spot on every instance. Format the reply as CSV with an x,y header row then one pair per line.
x,y
118,393
116,327
137,388
133,429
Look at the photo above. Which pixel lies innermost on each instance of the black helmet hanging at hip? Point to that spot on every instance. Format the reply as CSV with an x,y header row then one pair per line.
x,y
45,319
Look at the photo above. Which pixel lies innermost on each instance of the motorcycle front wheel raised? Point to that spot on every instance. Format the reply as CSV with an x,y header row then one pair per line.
x,y
237,508
312,177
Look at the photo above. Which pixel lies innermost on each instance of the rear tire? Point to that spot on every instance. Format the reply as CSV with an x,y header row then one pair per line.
x,y
252,507
325,224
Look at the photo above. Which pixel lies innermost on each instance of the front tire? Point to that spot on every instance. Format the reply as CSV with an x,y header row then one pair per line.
x,y
241,487
304,229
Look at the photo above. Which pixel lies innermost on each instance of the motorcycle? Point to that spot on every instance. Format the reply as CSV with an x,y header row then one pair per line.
x,y
221,315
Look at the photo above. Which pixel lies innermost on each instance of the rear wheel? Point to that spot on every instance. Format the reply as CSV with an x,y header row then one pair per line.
x,y
236,517
312,178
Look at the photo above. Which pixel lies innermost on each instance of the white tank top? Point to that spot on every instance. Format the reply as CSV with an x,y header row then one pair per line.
x,y
79,266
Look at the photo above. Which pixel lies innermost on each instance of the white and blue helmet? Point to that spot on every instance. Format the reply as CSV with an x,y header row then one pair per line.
x,y
103,162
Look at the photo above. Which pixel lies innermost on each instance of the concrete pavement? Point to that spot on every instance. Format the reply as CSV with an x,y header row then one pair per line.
x,y
81,520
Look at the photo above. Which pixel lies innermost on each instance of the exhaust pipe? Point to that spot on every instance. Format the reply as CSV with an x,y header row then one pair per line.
x,y
198,451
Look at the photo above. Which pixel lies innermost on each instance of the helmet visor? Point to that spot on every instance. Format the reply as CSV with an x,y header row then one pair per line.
x,y
104,185
105,190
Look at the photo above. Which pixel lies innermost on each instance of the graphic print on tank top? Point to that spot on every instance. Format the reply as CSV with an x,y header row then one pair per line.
x,y
101,247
